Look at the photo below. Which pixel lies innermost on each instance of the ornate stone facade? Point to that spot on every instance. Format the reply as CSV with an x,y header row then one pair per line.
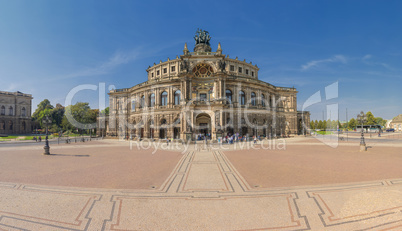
x,y
203,92
15,113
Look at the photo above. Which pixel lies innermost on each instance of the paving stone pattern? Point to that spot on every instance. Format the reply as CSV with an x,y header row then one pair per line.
x,y
203,192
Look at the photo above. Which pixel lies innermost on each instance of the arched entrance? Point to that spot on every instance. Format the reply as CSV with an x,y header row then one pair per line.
x,y
151,129
203,123
243,129
163,130
176,129
255,131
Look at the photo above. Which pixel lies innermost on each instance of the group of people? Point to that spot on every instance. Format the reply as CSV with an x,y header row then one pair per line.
x,y
37,139
230,139
204,136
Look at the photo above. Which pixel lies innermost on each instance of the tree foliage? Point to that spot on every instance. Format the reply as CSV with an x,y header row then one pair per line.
x,y
352,123
105,111
370,119
45,104
82,113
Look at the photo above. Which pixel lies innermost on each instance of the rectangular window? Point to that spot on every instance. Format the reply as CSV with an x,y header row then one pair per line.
x,y
231,68
173,68
240,69
203,96
252,73
164,70
152,74
157,72
246,71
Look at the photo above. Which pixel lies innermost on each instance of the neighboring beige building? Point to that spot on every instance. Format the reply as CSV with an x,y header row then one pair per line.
x,y
396,123
203,92
15,113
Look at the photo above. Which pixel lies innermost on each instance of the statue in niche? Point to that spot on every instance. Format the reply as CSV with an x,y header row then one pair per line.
x,y
184,65
222,65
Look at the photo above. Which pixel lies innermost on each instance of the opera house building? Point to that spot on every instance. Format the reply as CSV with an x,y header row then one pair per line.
x,y
203,93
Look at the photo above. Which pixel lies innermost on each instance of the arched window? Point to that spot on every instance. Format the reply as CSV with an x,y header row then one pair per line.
x,y
164,98
142,101
177,97
10,125
10,111
253,103
242,98
2,125
152,100
133,105
3,110
270,101
228,96
23,112
120,105
263,100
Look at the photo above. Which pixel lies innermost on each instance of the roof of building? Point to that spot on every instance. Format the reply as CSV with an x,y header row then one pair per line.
x,y
397,119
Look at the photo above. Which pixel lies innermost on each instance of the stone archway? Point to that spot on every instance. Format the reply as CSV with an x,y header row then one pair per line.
x,y
163,129
176,128
151,129
203,125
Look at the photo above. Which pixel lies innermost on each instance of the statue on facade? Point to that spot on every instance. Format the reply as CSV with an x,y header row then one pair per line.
x,y
202,36
222,65
184,66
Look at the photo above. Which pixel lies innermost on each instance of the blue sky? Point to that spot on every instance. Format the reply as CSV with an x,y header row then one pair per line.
x,y
49,47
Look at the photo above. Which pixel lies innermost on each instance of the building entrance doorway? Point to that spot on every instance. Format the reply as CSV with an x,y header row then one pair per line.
x,y
176,133
244,131
163,130
203,122
204,130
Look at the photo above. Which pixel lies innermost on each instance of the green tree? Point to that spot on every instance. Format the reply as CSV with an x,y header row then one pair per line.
x,y
39,113
320,125
370,119
316,124
312,125
105,111
57,115
352,123
42,115
381,121
324,125
80,112
45,104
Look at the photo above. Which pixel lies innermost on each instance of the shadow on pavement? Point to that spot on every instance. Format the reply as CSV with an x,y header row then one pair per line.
x,y
68,155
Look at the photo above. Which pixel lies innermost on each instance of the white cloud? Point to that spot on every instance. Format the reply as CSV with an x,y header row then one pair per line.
x,y
119,58
368,56
315,63
366,61
12,87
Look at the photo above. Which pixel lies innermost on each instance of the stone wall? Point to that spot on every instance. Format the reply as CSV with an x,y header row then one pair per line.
x,y
15,113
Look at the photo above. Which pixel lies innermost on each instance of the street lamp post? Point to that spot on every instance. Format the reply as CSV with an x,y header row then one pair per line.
x,y
46,121
362,119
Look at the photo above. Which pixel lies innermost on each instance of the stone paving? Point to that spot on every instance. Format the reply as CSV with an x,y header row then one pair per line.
x,y
203,192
